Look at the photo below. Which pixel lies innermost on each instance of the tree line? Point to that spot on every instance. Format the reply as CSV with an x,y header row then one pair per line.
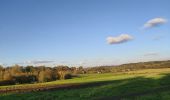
x,y
30,74
18,74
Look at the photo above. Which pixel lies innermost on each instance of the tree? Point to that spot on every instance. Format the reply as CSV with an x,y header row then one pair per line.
x,y
1,73
16,70
48,74
29,69
7,76
61,71
41,76
73,70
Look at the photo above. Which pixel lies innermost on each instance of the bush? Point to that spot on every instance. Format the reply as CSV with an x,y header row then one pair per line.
x,y
7,82
68,76
24,79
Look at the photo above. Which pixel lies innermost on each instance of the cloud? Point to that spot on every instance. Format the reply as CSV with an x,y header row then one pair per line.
x,y
64,62
38,62
151,54
155,22
157,38
119,39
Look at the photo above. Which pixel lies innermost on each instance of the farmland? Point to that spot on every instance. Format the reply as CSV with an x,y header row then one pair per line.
x,y
84,50
141,84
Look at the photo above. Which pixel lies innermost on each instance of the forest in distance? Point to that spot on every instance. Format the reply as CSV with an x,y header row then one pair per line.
x,y
17,74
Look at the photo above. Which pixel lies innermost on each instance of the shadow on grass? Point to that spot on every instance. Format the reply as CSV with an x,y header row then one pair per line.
x,y
140,86
101,90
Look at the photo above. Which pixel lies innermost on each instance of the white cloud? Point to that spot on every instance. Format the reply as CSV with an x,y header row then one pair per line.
x,y
38,62
155,22
119,39
151,54
98,62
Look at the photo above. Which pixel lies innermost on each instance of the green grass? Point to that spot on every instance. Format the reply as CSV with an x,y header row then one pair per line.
x,y
156,96
107,86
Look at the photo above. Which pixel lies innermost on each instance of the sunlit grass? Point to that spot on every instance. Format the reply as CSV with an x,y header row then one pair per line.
x,y
114,84
154,73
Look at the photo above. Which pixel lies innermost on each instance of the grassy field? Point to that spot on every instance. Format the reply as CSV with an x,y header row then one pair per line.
x,y
148,84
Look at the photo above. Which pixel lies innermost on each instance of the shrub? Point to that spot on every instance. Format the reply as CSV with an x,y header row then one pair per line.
x,y
6,82
24,79
67,76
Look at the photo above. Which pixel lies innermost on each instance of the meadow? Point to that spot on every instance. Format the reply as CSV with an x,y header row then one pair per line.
x,y
147,84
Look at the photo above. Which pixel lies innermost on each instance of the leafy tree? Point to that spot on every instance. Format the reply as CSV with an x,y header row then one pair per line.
x,y
7,75
41,77
61,71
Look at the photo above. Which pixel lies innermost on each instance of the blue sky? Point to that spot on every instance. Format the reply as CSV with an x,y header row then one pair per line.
x,y
75,32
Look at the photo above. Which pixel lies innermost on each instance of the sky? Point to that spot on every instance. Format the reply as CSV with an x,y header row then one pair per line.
x,y
83,32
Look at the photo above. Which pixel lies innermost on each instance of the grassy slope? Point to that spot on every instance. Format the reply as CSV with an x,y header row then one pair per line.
x,y
108,86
